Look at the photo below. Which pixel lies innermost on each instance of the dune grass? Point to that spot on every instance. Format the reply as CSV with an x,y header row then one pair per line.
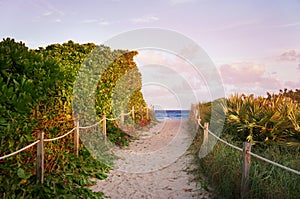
x,y
222,170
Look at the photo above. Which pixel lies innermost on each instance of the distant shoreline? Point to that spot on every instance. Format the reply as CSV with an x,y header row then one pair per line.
x,y
172,114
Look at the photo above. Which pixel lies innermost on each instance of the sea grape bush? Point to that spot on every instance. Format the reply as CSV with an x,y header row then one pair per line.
x,y
36,95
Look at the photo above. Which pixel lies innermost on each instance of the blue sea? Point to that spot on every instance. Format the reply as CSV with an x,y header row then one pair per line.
x,y
172,114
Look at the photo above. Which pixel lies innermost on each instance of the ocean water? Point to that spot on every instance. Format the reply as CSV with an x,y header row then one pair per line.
x,y
172,114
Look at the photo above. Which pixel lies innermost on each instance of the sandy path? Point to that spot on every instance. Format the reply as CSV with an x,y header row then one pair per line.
x,y
154,166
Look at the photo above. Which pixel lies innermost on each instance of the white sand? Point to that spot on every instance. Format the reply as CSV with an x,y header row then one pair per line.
x,y
154,166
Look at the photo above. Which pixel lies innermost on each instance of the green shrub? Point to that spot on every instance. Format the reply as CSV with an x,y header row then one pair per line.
x,y
272,126
36,96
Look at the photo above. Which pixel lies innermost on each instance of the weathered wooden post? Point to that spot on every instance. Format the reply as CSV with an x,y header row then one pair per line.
x,y
122,118
205,137
76,138
246,170
40,158
153,112
197,124
193,114
198,109
104,128
141,112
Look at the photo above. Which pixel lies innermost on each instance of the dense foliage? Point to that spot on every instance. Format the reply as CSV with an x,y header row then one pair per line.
x,y
275,118
272,119
294,95
36,95
271,124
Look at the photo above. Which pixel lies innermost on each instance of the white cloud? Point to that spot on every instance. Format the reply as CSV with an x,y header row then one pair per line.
x,y
48,7
58,20
235,25
104,23
145,19
101,22
295,24
47,13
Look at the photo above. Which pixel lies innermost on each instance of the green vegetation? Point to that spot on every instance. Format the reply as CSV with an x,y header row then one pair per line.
x,y
263,120
272,126
36,96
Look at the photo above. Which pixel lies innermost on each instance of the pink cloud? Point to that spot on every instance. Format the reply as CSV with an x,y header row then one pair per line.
x,y
167,62
166,75
247,75
291,55
292,84
241,73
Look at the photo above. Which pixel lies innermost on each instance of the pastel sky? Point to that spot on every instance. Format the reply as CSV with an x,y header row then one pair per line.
x,y
254,44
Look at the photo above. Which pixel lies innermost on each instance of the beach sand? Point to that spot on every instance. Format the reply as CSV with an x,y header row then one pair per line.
x,y
156,165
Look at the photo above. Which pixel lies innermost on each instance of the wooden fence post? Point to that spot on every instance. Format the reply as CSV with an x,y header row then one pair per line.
x,y
197,126
141,112
198,110
104,128
205,137
76,138
36,112
197,117
246,170
122,118
195,112
40,158
133,113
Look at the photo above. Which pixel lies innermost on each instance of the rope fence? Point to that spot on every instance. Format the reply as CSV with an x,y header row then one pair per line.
x,y
20,150
130,112
60,137
113,119
93,125
227,143
75,130
274,163
246,153
249,152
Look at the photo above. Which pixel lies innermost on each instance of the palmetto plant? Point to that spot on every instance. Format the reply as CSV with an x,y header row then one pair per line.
x,y
272,124
259,119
